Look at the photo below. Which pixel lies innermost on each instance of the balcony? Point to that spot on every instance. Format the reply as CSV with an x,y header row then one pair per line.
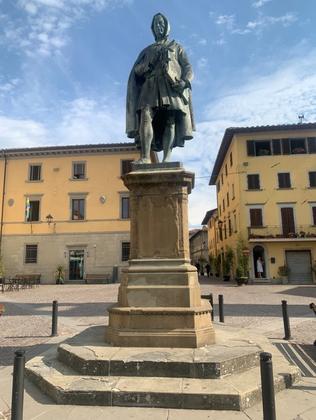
x,y
304,233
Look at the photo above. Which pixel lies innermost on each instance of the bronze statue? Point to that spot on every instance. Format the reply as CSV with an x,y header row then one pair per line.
x,y
159,108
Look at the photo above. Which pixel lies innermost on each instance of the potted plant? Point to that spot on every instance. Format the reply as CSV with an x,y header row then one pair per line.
x,y
228,263
242,272
283,272
60,275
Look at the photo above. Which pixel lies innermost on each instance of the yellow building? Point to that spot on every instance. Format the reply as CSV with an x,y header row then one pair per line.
x,y
65,205
265,179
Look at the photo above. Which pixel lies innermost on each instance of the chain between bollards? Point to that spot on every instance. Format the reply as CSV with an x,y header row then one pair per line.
x,y
286,321
267,385
221,307
18,386
55,318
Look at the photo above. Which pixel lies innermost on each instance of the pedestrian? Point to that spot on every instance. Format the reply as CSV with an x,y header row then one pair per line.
x,y
260,267
208,269
197,265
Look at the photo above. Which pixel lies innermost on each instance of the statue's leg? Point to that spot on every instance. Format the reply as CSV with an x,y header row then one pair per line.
x,y
168,137
146,133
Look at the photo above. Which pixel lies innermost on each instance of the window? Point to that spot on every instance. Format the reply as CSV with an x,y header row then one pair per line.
x,y
226,171
227,199
235,222
255,217
233,191
223,204
30,256
230,231
32,208
285,146
225,231
312,179
311,141
218,186
125,251
276,146
78,170
126,166
35,173
298,146
263,148
77,209
314,214
124,207
222,178
231,159
253,182
284,180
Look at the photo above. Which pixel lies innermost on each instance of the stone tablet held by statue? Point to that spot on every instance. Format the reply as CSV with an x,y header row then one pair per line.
x,y
159,112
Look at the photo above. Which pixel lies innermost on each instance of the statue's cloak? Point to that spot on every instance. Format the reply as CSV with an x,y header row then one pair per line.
x,y
181,105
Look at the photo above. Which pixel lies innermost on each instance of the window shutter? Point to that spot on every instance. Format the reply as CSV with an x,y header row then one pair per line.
x,y
251,148
253,182
286,146
276,146
312,179
255,217
314,215
284,180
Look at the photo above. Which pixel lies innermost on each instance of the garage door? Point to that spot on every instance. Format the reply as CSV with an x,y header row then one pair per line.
x,y
299,263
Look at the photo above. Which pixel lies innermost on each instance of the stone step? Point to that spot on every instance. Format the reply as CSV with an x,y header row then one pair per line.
x,y
234,392
211,362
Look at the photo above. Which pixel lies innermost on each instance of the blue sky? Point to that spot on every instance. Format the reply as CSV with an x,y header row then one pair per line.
x,y
65,63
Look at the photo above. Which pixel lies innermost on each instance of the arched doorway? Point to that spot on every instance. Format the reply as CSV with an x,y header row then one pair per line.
x,y
258,254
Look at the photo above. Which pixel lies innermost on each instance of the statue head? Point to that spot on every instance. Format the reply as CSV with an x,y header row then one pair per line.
x,y
160,26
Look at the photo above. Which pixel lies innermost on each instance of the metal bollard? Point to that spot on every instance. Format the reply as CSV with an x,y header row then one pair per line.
x,y
286,321
267,385
221,307
54,318
212,303
18,386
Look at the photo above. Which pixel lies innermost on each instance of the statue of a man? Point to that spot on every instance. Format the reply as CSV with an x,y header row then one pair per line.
x,y
159,109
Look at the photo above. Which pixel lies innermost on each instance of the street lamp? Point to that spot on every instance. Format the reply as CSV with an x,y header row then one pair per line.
x,y
49,219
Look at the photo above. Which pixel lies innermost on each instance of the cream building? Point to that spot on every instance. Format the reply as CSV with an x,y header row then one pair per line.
x,y
266,193
65,205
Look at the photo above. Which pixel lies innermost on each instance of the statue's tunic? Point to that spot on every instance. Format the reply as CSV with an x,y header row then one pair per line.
x,y
157,68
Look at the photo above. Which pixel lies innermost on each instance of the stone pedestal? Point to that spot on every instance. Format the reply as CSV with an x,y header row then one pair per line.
x,y
159,302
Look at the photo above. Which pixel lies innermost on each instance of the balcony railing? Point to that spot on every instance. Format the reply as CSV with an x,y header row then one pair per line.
x,y
302,232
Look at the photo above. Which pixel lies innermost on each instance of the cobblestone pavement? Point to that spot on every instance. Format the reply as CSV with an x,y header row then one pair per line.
x,y
27,318
26,323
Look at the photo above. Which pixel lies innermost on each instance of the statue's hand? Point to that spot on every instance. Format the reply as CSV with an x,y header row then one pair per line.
x,y
179,86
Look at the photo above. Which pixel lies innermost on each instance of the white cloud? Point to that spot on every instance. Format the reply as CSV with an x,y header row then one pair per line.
x,y
259,3
228,22
43,29
266,21
21,133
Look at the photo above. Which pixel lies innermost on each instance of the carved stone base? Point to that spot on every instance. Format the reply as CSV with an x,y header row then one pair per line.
x,y
162,327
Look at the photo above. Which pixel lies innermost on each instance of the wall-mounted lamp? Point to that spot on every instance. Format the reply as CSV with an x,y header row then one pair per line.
x,y
49,219
65,254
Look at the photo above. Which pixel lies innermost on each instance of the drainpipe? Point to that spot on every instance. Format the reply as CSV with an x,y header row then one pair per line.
x,y
3,194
